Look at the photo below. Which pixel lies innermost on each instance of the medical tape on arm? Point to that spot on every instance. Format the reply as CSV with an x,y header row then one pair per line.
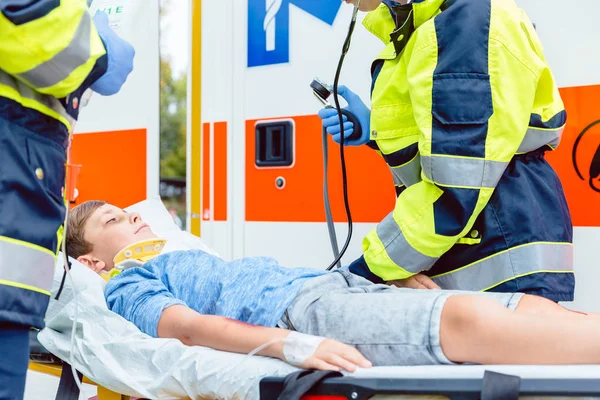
x,y
299,347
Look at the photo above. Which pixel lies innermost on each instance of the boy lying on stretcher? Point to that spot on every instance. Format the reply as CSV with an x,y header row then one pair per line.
x,y
240,305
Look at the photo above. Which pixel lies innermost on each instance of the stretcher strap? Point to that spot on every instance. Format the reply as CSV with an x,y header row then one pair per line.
x,y
500,387
299,383
67,388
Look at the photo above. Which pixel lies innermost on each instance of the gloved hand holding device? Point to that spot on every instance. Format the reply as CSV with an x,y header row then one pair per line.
x,y
355,106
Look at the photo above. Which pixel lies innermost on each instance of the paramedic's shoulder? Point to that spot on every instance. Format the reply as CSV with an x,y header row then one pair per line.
x,y
510,36
513,33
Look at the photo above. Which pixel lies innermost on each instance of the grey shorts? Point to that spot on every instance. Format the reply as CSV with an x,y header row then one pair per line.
x,y
388,325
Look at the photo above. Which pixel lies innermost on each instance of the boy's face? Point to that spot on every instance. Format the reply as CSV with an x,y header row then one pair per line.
x,y
110,229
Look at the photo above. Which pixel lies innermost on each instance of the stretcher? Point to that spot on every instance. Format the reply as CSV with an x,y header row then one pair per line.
x,y
67,389
113,354
454,382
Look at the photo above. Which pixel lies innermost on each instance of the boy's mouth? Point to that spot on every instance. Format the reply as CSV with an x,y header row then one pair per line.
x,y
144,225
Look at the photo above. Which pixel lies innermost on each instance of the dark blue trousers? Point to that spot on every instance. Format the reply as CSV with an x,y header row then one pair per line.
x,y
14,359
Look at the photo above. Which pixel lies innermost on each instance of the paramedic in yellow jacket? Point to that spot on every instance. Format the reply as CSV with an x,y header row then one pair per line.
x,y
51,51
464,106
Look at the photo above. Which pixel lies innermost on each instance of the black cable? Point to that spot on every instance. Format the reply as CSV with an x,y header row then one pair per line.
x,y
66,257
342,157
62,282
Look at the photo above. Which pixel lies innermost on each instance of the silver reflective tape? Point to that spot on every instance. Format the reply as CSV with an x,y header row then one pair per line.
x,y
399,250
536,138
397,180
58,68
24,265
485,274
28,93
463,172
408,174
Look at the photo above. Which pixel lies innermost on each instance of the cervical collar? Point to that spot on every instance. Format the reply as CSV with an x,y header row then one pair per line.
x,y
135,255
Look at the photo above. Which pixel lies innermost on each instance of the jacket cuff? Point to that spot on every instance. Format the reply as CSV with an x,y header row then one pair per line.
x,y
72,102
360,268
372,144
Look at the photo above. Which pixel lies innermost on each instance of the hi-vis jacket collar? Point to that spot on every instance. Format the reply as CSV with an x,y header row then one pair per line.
x,y
136,254
393,22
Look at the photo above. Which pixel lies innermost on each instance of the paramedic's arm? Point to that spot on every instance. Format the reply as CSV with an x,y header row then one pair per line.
x,y
55,47
471,125
219,333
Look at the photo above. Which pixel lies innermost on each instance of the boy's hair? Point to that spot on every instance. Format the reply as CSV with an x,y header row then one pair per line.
x,y
78,217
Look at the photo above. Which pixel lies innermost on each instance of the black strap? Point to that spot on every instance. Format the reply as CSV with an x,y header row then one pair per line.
x,y
500,387
299,383
67,387
405,26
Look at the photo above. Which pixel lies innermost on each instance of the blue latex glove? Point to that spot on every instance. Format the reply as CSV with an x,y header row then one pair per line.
x,y
120,58
356,106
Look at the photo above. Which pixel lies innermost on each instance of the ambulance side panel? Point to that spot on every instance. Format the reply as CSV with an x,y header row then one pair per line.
x,y
117,137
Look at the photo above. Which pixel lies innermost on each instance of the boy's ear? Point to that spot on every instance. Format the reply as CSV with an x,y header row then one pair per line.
x,y
92,262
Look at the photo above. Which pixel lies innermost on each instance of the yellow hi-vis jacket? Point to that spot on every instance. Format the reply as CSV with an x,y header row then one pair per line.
x,y
47,51
464,106
50,52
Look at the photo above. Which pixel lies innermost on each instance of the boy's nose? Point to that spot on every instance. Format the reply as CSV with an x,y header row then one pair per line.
x,y
134,217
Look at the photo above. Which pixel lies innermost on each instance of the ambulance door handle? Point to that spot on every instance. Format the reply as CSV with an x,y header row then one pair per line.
x,y
274,144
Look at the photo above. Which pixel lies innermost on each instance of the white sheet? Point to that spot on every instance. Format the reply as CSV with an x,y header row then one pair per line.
x,y
115,354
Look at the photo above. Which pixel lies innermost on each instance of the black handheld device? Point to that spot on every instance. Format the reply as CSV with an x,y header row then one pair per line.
x,y
322,91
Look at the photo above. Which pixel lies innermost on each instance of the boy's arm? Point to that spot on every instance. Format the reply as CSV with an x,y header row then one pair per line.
x,y
219,333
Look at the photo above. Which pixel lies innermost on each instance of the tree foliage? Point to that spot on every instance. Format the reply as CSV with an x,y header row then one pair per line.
x,y
173,104
173,127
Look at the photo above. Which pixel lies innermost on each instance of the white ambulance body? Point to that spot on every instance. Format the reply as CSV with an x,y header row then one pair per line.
x,y
254,160
117,137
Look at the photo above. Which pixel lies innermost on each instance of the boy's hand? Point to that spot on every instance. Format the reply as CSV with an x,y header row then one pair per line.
x,y
332,355
418,281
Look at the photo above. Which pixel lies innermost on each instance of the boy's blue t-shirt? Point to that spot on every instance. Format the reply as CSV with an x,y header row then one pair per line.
x,y
255,290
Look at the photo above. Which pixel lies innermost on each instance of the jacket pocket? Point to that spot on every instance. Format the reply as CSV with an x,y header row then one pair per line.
x,y
393,121
462,98
47,161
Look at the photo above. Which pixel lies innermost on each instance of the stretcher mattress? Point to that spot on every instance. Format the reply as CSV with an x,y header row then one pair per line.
x,y
476,371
